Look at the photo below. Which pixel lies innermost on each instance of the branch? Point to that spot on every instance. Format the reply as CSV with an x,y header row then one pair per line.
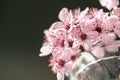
x,y
94,62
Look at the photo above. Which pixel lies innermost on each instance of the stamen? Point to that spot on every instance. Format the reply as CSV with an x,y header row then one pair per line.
x,y
61,62
83,36
98,29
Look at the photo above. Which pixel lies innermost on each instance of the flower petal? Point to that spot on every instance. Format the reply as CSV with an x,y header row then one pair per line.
x,y
107,38
98,52
56,25
66,54
113,47
64,15
45,50
60,75
68,68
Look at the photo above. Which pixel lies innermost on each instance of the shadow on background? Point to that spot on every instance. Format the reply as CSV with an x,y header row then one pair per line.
x,y
22,25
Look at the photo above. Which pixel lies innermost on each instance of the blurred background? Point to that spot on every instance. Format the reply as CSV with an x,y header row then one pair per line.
x,y
21,36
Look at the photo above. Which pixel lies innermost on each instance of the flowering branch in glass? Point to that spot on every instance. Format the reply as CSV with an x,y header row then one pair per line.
x,y
82,33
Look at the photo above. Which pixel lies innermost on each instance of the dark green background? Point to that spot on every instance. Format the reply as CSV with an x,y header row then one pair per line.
x,y
21,36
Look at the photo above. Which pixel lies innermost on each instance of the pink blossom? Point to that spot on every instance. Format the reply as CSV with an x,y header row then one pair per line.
x,y
98,27
60,67
110,4
90,30
54,38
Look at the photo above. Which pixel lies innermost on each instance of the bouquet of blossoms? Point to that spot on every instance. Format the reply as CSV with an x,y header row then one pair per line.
x,y
82,39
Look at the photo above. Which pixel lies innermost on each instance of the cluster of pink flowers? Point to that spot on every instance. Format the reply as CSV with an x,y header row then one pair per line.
x,y
90,30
